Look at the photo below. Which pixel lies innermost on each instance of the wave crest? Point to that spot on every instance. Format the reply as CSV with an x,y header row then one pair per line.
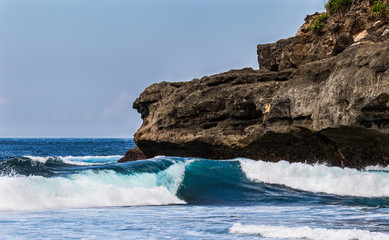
x,y
77,160
319,178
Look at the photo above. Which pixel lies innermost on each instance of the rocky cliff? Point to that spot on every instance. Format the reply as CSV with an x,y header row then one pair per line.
x,y
318,97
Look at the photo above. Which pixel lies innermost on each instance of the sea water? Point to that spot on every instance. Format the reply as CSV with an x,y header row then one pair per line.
x,y
74,189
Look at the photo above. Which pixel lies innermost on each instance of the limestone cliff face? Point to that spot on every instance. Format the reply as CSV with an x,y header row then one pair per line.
x,y
341,30
330,107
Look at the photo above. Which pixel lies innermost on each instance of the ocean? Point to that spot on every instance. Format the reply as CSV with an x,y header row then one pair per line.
x,y
74,189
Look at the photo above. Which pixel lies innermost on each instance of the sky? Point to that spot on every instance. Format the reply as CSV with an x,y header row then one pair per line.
x,y
72,68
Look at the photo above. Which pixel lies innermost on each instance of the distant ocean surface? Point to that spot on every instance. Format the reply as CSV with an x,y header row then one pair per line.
x,y
74,189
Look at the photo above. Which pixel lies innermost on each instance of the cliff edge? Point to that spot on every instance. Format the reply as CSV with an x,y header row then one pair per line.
x,y
321,96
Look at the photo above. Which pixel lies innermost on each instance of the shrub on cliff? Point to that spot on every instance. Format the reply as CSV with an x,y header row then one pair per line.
x,y
379,9
334,6
319,23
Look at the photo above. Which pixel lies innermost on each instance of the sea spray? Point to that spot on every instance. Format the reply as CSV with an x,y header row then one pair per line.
x,y
319,178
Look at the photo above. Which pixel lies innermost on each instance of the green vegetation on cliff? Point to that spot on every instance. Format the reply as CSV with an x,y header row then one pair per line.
x,y
334,6
379,9
319,23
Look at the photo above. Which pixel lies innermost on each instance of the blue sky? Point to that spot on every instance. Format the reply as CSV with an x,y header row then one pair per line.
x,y
72,68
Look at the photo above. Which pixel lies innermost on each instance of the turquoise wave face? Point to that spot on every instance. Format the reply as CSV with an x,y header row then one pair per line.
x,y
224,182
33,183
229,182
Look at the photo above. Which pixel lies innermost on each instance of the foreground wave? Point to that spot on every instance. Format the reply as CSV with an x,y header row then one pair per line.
x,y
36,183
306,232
154,184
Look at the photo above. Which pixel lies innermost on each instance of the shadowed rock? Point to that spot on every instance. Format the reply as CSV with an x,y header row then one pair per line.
x,y
132,155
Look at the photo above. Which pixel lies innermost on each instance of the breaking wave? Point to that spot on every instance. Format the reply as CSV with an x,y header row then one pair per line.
x,y
38,183
155,184
319,178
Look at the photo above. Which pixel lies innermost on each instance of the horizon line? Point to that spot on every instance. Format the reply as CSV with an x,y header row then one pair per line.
x,y
66,137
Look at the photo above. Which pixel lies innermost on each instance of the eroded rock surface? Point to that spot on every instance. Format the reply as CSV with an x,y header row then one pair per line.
x,y
308,103
342,29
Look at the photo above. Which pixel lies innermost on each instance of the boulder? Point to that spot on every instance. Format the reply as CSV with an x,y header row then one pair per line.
x,y
132,155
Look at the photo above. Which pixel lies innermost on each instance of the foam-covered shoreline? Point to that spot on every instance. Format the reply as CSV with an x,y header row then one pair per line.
x,y
306,232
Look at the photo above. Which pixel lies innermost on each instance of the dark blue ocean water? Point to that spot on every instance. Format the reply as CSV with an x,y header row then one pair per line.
x,y
74,189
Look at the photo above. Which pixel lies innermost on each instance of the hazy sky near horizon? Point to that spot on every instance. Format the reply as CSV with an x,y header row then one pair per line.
x,y
72,68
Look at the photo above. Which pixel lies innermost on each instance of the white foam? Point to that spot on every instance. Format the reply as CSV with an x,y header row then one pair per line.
x,y
91,189
318,178
38,159
377,168
79,160
90,160
86,158
307,232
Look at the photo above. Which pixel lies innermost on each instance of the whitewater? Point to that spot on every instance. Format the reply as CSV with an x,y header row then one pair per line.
x,y
75,189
